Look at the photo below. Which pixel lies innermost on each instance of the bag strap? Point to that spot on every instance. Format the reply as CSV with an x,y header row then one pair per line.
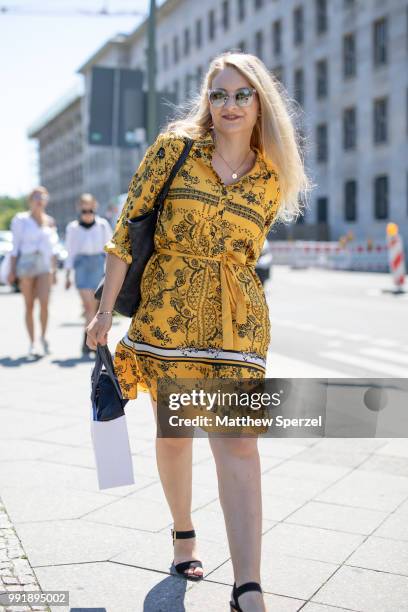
x,y
104,357
188,143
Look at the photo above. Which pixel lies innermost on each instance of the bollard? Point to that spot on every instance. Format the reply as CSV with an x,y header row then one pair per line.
x,y
396,256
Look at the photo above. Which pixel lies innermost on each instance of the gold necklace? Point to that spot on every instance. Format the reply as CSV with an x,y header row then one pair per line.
x,y
234,174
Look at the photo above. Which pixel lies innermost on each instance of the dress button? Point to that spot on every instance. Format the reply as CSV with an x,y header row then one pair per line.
x,y
224,191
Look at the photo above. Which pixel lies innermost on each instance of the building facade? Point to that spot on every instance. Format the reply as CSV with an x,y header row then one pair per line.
x,y
60,138
344,63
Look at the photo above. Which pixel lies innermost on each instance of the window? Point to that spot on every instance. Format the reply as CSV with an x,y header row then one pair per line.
x,y
211,24
259,44
321,138
381,197
165,57
258,4
380,120
298,25
349,128
241,10
299,86
198,33
322,209
225,14
186,41
176,91
278,73
277,37
321,16
380,42
321,79
176,53
242,46
350,200
199,76
187,85
349,55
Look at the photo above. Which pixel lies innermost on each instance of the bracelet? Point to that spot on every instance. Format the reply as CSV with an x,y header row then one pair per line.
x,y
104,312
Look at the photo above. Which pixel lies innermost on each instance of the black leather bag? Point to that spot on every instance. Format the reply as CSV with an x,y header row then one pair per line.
x,y
141,234
106,395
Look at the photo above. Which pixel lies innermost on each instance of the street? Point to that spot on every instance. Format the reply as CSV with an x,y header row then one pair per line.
x,y
334,510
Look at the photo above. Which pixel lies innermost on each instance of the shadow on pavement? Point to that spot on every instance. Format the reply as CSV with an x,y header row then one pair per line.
x,y
9,362
72,361
167,596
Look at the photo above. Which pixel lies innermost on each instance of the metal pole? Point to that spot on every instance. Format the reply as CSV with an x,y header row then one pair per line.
x,y
151,75
115,134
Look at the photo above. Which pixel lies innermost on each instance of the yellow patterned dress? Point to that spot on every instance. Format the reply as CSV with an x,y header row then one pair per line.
x,y
203,312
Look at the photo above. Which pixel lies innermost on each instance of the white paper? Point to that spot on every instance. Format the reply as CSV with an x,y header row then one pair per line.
x,y
112,452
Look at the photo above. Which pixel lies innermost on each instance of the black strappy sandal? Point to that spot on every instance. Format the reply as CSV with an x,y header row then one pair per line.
x,y
237,591
184,565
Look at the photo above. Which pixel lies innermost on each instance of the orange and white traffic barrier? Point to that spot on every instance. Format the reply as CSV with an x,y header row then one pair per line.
x,y
364,256
396,256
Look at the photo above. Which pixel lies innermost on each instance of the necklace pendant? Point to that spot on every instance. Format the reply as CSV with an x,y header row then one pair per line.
x,y
234,175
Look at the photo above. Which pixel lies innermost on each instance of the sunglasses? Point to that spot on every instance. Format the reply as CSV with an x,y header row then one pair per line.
x,y
39,197
243,96
87,211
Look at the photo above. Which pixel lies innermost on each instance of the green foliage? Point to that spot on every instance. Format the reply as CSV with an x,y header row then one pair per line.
x,y
8,208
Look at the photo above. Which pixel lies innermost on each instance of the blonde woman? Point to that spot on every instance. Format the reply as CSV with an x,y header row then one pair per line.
x,y
85,238
34,262
203,311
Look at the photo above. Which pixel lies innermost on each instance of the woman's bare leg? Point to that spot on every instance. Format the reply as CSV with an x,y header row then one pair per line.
x,y
43,285
89,303
27,288
174,462
239,485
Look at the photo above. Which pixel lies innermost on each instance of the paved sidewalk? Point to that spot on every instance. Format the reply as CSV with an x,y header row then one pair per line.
x,y
335,512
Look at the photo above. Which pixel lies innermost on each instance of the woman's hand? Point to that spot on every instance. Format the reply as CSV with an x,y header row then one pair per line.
x,y
97,330
54,277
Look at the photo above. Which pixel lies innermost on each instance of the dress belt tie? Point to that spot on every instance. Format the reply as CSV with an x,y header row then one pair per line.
x,y
233,299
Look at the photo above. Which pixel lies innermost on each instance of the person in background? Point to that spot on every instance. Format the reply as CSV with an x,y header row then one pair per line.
x,y
34,262
85,238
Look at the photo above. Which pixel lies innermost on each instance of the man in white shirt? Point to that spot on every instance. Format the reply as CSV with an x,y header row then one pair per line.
x,y
85,238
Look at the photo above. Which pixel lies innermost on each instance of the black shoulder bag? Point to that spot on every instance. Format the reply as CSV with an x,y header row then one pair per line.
x,y
141,233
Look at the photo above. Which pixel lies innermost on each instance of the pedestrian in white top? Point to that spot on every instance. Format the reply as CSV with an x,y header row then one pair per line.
x,y
34,262
85,238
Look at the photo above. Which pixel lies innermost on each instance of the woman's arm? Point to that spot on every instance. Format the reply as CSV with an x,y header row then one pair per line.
x,y
98,328
15,228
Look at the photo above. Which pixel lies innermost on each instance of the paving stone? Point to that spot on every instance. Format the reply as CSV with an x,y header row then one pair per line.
x,y
133,512
382,555
388,464
310,543
298,490
285,575
364,590
41,503
396,447
313,607
298,469
337,518
367,490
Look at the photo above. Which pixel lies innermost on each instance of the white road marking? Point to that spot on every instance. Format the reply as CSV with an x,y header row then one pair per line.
x,y
282,366
387,355
385,342
364,363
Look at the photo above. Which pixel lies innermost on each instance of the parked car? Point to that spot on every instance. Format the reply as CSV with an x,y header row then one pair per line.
x,y
264,264
62,253
6,245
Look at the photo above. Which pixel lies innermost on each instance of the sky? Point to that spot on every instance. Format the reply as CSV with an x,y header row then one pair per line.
x,y
40,56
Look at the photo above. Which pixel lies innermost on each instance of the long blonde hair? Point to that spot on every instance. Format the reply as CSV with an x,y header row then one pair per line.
x,y
275,132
